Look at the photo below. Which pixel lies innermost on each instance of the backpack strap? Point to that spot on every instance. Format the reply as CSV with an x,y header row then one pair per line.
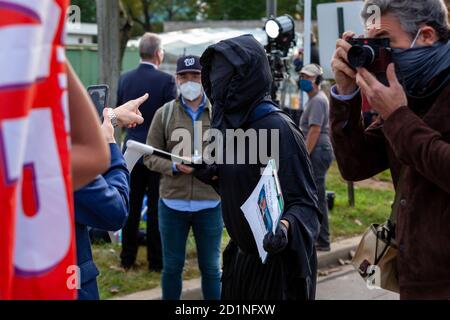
x,y
167,115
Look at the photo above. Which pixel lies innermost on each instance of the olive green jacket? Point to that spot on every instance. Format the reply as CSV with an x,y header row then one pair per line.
x,y
177,185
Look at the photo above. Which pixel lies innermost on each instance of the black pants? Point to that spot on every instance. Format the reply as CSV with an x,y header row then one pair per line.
x,y
244,277
143,181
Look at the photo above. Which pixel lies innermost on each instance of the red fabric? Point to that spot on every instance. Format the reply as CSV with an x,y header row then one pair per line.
x,y
365,105
37,246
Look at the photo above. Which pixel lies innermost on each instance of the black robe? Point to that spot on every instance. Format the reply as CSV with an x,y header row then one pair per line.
x,y
236,77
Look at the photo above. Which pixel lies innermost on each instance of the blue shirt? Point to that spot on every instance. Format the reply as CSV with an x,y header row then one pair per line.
x,y
343,97
195,115
191,205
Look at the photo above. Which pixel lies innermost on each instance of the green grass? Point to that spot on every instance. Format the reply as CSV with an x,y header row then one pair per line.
x,y
384,176
372,205
115,281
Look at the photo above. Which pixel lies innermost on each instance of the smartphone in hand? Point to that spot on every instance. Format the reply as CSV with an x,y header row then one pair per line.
x,y
100,97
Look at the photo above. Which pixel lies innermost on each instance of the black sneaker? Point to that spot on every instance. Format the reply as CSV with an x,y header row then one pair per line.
x,y
157,269
323,248
127,266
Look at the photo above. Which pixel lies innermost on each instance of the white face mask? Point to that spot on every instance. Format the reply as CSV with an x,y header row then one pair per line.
x,y
191,90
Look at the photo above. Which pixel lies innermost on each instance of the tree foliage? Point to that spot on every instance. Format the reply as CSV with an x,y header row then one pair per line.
x,y
88,10
147,13
253,9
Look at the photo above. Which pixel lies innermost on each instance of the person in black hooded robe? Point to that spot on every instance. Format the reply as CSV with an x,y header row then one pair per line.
x,y
237,79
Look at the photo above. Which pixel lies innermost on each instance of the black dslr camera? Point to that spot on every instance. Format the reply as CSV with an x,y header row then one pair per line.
x,y
373,54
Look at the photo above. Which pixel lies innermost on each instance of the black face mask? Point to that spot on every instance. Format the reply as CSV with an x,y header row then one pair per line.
x,y
220,79
417,67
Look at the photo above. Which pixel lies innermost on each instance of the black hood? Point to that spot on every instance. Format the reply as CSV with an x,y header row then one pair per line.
x,y
236,77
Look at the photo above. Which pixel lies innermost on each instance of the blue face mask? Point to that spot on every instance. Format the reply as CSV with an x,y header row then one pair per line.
x,y
416,67
306,85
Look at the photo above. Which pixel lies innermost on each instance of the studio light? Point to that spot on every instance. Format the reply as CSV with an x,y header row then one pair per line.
x,y
281,33
272,29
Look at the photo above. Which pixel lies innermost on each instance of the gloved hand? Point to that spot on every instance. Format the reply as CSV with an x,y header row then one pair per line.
x,y
275,243
209,175
199,166
206,174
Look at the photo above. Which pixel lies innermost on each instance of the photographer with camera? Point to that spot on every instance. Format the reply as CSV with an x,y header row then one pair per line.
x,y
314,124
412,136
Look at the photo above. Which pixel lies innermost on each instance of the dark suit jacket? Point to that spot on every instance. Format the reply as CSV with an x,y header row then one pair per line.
x,y
102,204
146,79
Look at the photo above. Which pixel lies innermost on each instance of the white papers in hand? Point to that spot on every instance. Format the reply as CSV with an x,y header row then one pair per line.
x,y
135,151
264,207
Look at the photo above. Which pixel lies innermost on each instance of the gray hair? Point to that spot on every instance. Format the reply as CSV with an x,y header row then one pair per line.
x,y
412,14
149,45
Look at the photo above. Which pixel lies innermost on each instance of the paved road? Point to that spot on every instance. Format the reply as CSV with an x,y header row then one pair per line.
x,y
341,283
346,284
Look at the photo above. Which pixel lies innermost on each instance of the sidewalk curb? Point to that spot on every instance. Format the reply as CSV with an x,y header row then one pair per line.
x,y
192,288
191,291
339,250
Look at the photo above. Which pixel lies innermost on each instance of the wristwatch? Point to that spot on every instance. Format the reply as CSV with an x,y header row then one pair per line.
x,y
113,117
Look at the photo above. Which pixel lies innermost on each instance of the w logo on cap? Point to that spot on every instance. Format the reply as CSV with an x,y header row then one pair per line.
x,y
189,62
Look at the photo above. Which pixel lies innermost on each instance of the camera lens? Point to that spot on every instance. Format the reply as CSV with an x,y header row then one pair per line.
x,y
361,56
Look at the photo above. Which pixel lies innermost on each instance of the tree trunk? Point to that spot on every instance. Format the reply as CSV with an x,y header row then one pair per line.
x,y
170,10
126,24
146,11
109,47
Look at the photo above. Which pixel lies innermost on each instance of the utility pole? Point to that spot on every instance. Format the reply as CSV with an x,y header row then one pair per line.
x,y
307,32
271,6
109,46
307,23
351,193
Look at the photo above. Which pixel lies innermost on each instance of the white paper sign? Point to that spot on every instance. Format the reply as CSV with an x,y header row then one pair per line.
x,y
264,207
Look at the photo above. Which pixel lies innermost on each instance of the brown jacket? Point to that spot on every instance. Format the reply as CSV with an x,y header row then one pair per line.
x,y
177,185
416,147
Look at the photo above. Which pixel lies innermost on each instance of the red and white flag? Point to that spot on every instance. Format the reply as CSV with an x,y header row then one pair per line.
x,y
37,247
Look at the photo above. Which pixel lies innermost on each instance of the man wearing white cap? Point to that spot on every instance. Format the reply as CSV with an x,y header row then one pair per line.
x,y
315,125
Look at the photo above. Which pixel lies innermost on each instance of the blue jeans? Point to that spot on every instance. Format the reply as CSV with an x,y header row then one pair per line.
x,y
174,228
321,159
